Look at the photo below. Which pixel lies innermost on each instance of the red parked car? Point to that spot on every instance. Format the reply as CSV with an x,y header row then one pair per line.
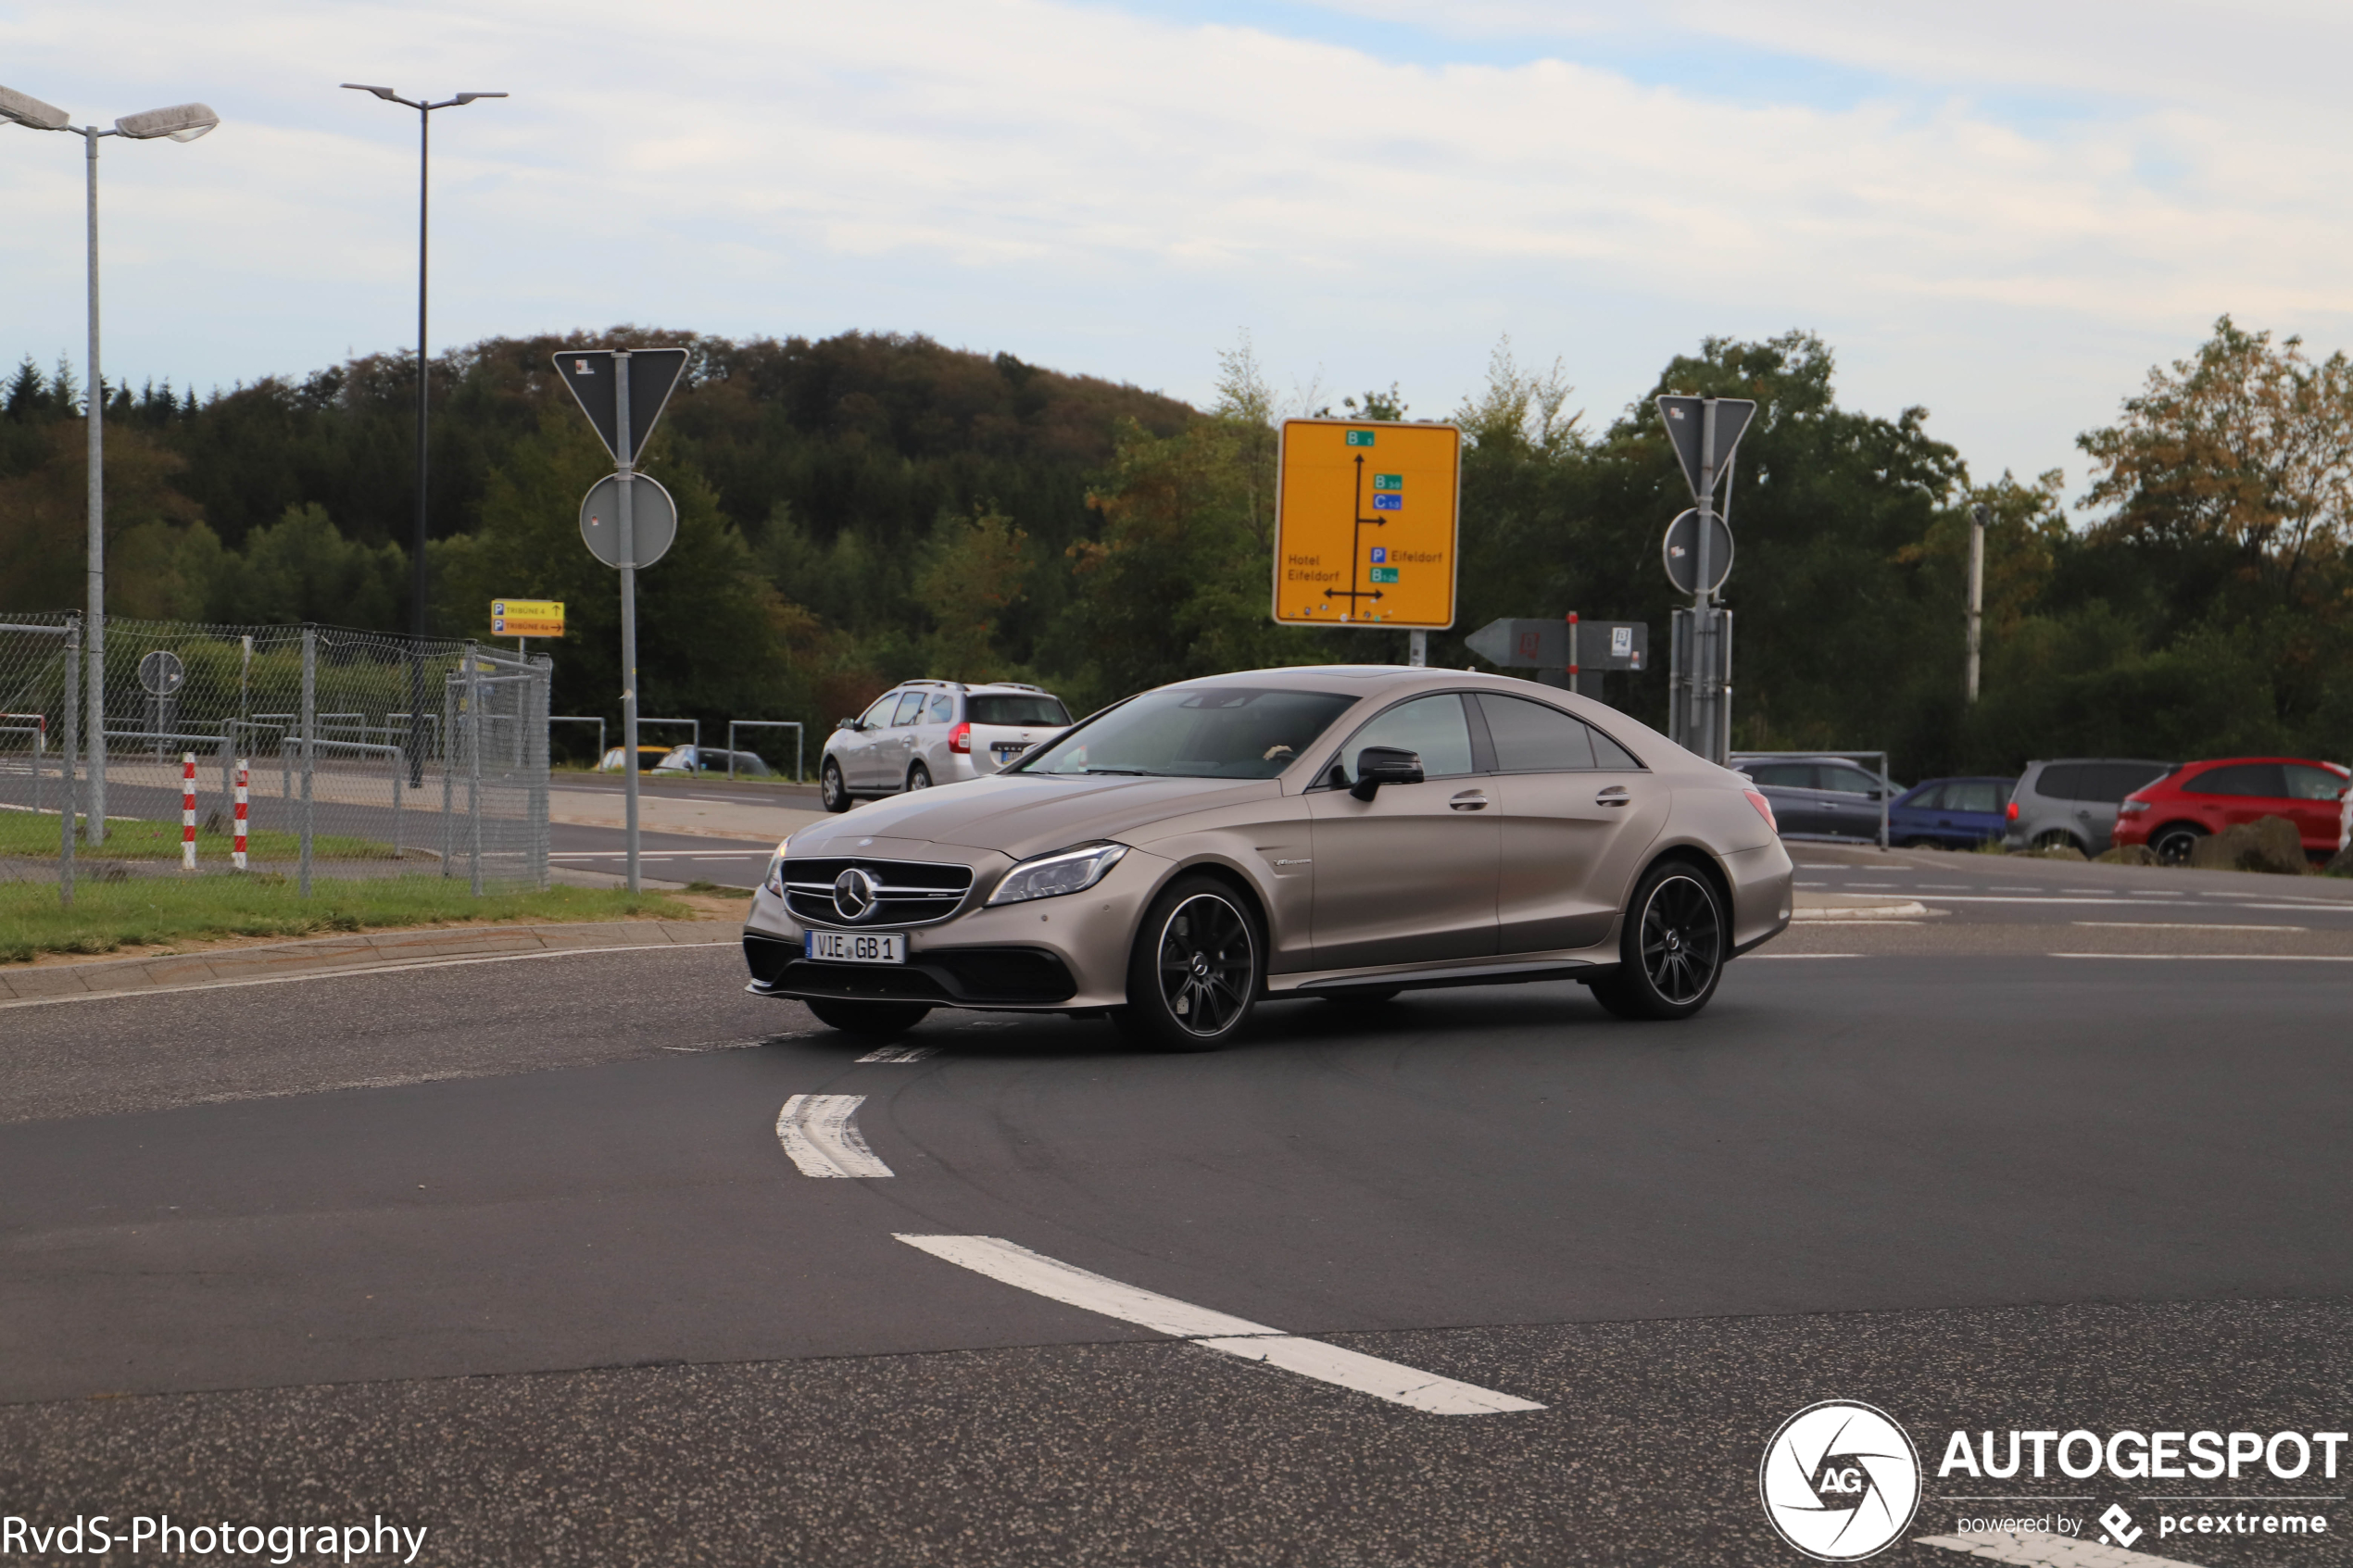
x,y
2199,799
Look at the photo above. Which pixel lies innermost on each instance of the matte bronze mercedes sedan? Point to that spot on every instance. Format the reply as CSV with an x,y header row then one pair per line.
x,y
1342,832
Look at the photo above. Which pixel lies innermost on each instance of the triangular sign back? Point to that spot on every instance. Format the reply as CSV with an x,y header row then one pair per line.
x,y
1686,420
653,376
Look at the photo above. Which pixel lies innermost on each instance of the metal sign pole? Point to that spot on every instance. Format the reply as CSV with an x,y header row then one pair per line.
x,y
627,475
1704,628
1978,516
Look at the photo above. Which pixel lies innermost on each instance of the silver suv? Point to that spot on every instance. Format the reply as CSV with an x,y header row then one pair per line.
x,y
2073,801
924,733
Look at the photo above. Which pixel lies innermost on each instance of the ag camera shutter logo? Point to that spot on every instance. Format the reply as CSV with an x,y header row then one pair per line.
x,y
1839,1481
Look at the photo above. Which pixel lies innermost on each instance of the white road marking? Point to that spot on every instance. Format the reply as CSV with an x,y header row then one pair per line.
x,y
2049,1551
1746,958
2305,907
1868,913
1018,1266
900,1053
2183,925
819,1135
2221,958
358,970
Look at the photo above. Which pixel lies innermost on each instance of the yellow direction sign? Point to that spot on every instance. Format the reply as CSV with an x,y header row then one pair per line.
x,y
526,618
1365,515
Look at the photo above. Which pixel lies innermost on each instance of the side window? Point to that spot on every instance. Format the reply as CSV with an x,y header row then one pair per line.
x,y
1433,727
879,715
1974,795
2067,780
1783,775
2312,783
911,709
1535,737
2239,779
1848,781
943,709
1610,757
1934,798
2116,780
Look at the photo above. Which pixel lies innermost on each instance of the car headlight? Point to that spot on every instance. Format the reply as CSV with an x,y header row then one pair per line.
x,y
774,881
1065,870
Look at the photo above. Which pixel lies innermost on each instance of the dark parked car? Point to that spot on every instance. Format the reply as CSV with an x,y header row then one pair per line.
x,y
2074,800
2172,814
1950,814
1819,796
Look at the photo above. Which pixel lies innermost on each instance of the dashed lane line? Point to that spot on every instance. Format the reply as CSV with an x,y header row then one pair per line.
x,y
357,968
820,1137
2049,1551
900,1053
2218,958
2183,925
1018,1266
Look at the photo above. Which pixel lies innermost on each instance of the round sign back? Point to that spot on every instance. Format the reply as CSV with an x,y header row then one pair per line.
x,y
161,673
1681,551
653,520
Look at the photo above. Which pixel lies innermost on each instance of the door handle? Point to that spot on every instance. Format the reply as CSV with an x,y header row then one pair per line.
x,y
1614,796
1469,800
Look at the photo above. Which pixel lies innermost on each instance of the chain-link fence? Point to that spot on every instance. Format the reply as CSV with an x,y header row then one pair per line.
x,y
353,754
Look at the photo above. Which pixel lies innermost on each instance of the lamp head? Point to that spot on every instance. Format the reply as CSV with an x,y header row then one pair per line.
x,y
30,111
470,97
181,122
386,93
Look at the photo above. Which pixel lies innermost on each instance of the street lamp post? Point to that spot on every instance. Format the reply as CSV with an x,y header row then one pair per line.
x,y
1980,515
417,557
181,122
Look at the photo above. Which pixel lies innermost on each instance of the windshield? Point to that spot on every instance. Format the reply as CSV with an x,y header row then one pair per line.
x,y
1221,733
1016,711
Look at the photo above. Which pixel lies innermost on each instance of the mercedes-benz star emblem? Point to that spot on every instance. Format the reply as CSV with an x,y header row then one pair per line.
x,y
853,895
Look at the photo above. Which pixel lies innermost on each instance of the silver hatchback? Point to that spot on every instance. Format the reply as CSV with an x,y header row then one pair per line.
x,y
924,733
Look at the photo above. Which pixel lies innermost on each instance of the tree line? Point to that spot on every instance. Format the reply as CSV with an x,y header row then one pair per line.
x,y
864,508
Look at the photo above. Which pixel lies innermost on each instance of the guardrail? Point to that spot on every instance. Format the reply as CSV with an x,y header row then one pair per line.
x,y
734,724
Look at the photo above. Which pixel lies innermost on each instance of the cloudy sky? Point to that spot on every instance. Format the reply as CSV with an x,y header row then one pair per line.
x,y
2006,211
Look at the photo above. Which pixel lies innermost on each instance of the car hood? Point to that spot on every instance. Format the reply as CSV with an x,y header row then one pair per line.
x,y
1020,816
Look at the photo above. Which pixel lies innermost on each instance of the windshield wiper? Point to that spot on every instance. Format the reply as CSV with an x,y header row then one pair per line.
x,y
1132,773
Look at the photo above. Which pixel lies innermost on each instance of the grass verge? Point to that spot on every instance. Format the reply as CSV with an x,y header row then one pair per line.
x,y
152,912
33,836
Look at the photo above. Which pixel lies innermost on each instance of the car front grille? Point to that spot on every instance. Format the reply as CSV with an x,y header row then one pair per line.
x,y
906,892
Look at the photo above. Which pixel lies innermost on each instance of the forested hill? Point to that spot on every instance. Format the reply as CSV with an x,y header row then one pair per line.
x,y
867,430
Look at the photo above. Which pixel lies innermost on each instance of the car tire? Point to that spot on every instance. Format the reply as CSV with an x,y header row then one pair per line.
x,y
2173,842
1197,968
833,791
1672,949
879,1019
2058,839
918,777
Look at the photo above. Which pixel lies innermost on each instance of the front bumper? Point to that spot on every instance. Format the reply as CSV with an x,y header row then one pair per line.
x,y
1049,955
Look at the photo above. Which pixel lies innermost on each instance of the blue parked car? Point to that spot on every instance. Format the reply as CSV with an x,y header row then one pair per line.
x,y
1950,814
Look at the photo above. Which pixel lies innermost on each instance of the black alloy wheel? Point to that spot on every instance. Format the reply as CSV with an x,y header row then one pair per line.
x,y
2174,842
1672,949
1196,971
833,793
919,777
880,1019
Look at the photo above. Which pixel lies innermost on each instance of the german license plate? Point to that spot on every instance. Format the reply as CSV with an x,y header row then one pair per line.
x,y
1010,748
854,947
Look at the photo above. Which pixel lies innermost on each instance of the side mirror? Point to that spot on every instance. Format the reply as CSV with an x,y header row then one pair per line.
x,y
1378,765
847,724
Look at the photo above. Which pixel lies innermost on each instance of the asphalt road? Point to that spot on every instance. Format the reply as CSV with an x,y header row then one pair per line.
x,y
516,1253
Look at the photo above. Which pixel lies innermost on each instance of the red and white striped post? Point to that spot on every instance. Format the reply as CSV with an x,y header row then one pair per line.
x,y
237,847
187,810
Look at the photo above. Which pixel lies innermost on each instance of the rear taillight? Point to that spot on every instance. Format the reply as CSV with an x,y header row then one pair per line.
x,y
960,740
1764,808
2012,812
